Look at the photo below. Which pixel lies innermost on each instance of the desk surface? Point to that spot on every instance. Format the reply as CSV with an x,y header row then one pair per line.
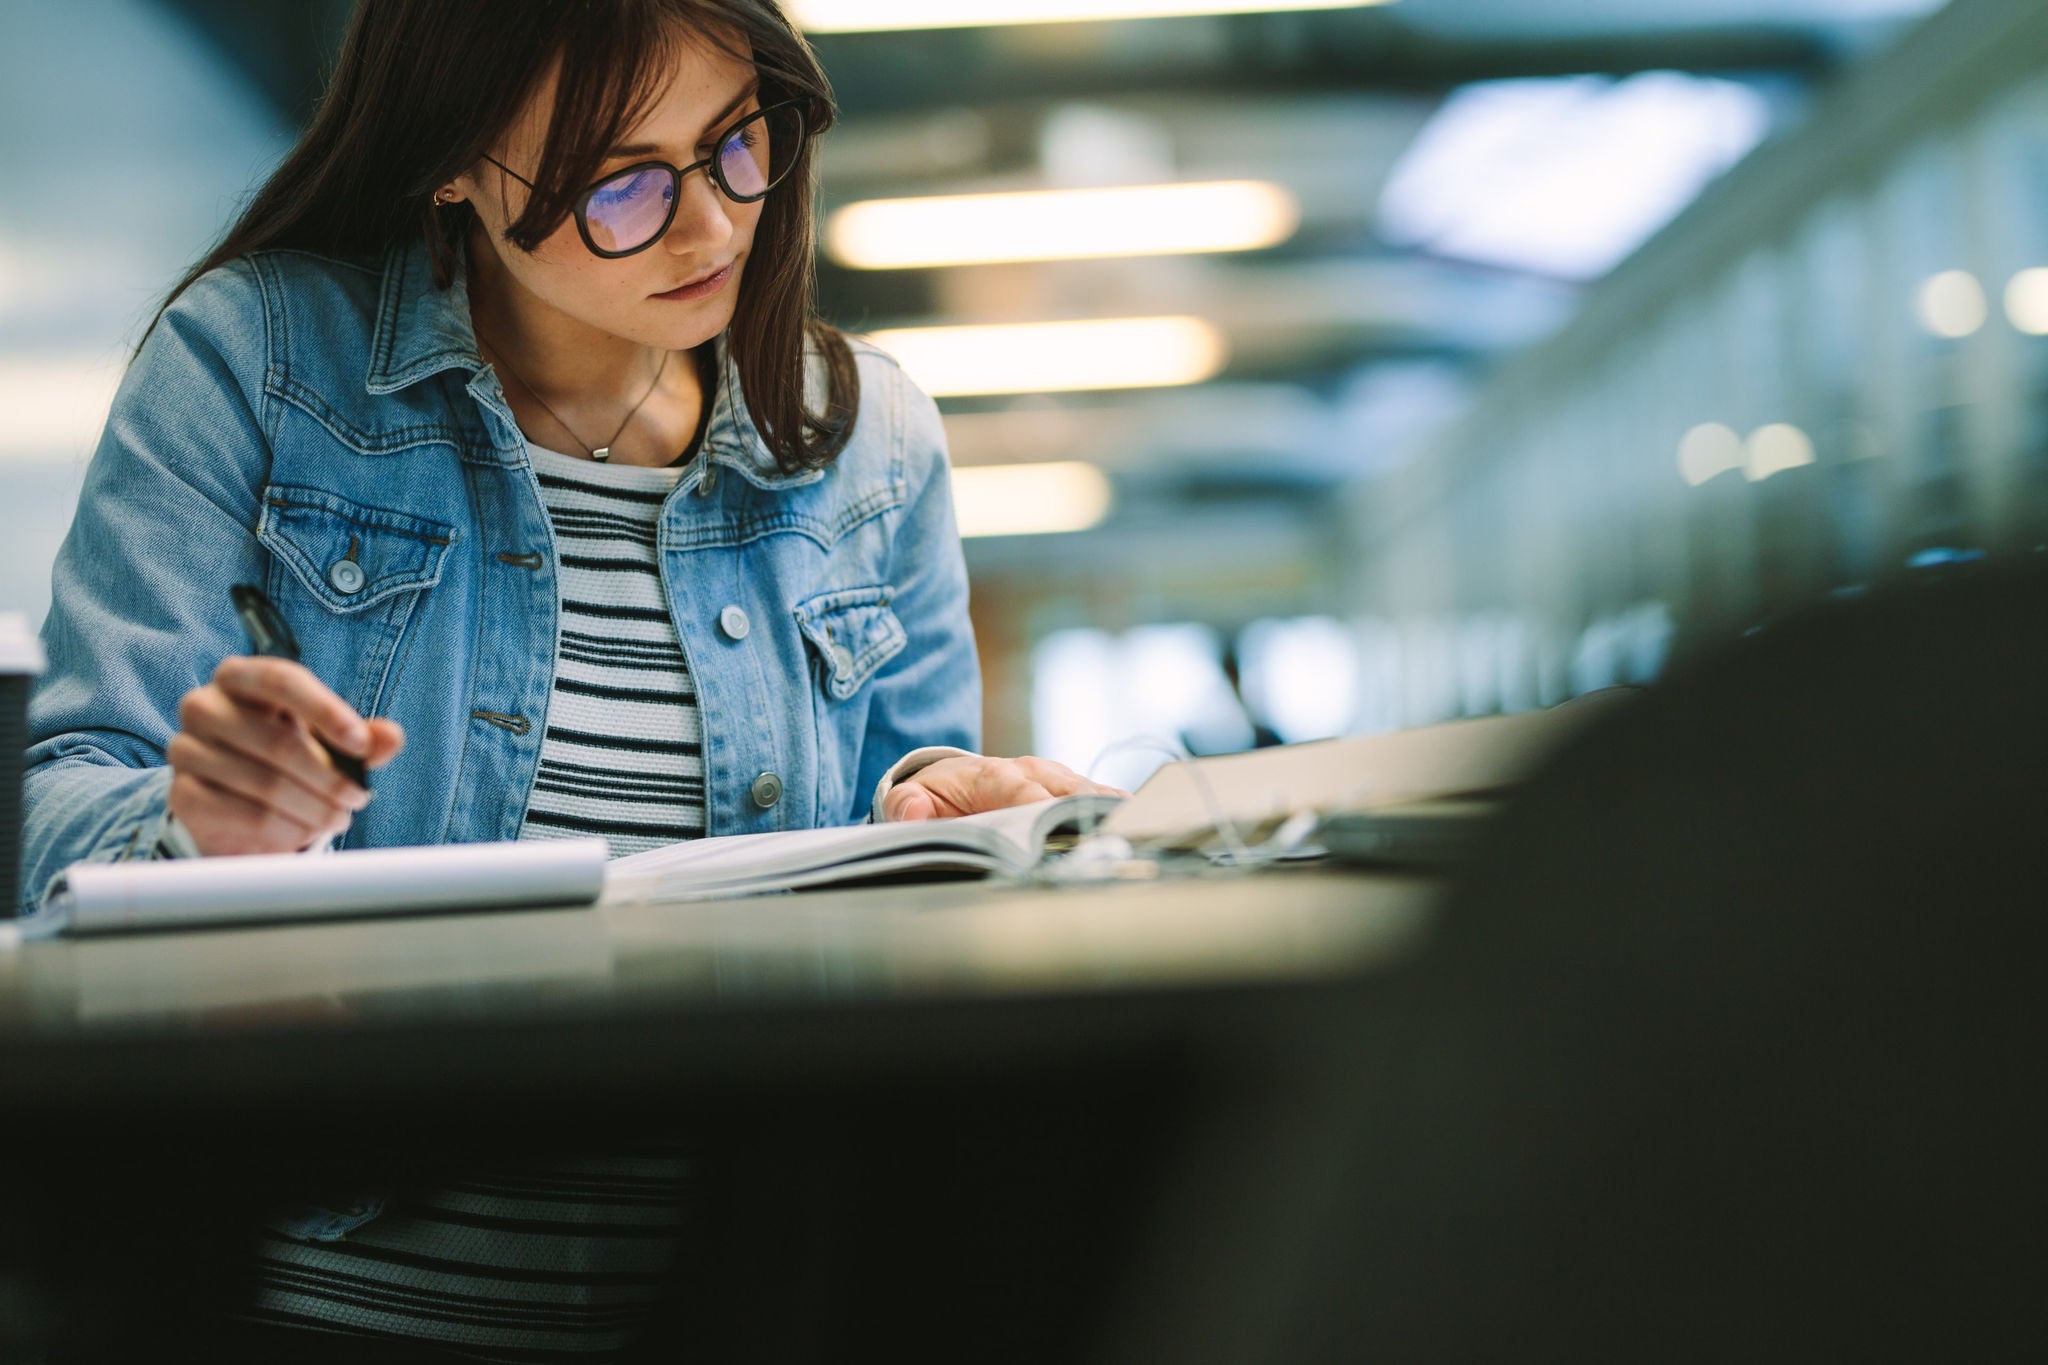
x,y
844,950
1124,1058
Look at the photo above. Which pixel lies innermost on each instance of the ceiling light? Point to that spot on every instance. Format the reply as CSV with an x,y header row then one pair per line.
x,y
1708,450
857,16
1030,499
1566,176
1051,357
1777,448
1062,225
2026,302
1953,306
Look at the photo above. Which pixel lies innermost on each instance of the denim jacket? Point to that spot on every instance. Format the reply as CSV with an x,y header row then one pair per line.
x,y
326,429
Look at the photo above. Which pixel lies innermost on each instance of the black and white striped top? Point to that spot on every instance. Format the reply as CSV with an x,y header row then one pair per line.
x,y
547,1260
623,752
553,1260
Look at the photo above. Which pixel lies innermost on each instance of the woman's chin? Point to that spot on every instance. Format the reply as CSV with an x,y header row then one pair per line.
x,y
673,333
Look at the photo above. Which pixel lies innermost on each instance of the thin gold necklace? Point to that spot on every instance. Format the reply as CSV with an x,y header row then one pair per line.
x,y
599,453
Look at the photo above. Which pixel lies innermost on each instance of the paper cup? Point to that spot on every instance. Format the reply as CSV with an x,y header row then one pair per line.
x,y
21,659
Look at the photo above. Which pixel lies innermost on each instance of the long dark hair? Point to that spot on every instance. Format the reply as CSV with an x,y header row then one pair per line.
x,y
423,88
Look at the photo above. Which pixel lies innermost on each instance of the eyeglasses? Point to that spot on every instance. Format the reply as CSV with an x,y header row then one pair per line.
x,y
629,210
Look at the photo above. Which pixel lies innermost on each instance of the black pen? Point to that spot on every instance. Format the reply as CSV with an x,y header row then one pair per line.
x,y
270,636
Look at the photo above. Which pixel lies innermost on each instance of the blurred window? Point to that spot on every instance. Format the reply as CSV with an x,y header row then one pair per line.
x,y
1302,676
1097,697
1092,690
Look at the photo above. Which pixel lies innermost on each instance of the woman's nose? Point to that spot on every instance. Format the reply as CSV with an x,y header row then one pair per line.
x,y
701,219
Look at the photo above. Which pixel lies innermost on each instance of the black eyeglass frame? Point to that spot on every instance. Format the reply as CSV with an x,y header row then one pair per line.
x,y
710,165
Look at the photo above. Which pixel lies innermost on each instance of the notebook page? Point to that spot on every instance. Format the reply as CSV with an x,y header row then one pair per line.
x,y
96,898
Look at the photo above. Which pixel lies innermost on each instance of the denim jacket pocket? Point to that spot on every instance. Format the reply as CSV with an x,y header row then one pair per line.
x,y
853,632
347,555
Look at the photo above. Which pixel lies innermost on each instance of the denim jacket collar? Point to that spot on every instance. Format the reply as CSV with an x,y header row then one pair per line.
x,y
731,438
422,330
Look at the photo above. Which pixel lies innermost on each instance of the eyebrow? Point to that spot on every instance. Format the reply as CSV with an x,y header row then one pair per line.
x,y
650,148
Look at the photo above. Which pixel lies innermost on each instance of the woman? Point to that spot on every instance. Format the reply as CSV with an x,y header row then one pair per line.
x,y
507,390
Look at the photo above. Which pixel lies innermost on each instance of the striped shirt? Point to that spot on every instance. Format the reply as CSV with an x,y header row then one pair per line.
x,y
623,752
548,1260
533,1261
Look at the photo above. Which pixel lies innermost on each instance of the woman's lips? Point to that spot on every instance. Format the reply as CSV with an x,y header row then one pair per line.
x,y
699,289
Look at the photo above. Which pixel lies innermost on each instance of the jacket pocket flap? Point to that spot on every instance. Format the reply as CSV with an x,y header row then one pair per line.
x,y
348,555
854,633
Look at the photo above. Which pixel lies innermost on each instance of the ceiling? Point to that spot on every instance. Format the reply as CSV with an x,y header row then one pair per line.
x,y
1345,342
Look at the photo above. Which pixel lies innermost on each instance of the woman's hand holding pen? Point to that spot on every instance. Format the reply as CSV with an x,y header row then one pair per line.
x,y
248,772
976,782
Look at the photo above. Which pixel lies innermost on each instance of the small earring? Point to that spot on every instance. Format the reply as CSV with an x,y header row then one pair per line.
x,y
443,198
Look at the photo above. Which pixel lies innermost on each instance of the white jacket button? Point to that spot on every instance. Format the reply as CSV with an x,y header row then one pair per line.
x,y
734,623
767,790
346,577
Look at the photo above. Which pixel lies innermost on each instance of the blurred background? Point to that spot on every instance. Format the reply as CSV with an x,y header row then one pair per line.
x,y
1313,369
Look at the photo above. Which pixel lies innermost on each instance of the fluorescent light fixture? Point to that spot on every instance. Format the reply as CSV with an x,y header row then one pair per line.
x,y
1566,176
873,16
1953,306
1062,225
1775,449
1708,450
1052,357
2026,301
1029,499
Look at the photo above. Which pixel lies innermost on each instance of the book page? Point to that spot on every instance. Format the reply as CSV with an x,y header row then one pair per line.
x,y
1008,841
740,863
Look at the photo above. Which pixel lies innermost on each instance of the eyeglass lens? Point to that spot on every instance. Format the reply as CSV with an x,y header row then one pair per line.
x,y
632,208
629,210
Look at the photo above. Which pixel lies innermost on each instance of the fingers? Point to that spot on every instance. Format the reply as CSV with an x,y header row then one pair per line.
x,y
909,801
387,737
292,687
961,786
1061,780
223,823
971,783
262,735
257,781
1056,778
249,775
1005,782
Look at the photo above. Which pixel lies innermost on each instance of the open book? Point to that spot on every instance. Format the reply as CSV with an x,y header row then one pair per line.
x,y
1179,808
1005,843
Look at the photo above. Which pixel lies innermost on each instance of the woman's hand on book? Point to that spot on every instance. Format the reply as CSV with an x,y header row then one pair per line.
x,y
246,774
974,782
